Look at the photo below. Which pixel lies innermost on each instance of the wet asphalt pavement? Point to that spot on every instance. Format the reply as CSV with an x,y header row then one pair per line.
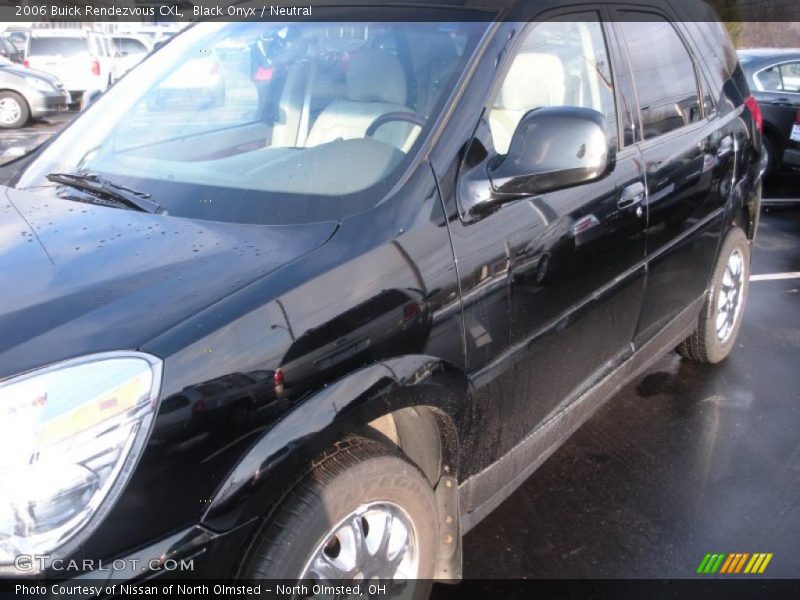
x,y
686,460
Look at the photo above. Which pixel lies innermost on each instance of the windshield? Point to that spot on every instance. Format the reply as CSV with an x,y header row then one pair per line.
x,y
267,123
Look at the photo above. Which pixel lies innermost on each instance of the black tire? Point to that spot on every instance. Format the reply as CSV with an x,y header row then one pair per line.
x,y
24,111
356,471
705,345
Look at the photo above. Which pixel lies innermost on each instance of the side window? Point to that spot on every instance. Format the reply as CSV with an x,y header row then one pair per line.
x,y
780,78
560,63
790,77
664,74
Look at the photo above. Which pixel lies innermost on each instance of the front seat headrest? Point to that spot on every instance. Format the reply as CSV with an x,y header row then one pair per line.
x,y
376,76
534,79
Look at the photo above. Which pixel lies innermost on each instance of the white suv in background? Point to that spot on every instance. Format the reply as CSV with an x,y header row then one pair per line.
x,y
82,60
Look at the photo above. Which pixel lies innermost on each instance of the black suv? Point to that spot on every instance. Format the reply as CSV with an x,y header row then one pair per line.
x,y
321,326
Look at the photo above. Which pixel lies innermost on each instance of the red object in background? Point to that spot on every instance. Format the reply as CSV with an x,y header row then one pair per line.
x,y
411,311
755,110
263,74
797,117
96,67
26,63
278,377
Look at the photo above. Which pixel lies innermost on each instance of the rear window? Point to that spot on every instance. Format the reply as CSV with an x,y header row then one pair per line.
x,y
59,46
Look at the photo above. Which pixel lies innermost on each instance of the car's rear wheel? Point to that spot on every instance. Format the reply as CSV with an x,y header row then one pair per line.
x,y
722,312
363,513
14,111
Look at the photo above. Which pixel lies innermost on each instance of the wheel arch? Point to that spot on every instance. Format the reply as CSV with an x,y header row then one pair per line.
x,y
416,403
18,92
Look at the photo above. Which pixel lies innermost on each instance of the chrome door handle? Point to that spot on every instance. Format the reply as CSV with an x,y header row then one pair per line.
x,y
631,195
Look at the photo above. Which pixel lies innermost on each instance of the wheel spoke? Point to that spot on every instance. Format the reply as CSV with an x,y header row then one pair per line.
x,y
729,295
721,317
400,541
360,540
327,568
386,534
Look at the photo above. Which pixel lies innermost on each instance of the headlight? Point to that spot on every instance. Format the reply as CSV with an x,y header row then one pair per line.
x,y
70,435
40,84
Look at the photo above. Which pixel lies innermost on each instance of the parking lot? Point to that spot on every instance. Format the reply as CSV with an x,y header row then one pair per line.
x,y
686,460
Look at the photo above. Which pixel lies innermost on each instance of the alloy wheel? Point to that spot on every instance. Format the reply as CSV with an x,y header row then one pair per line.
x,y
10,111
376,542
729,298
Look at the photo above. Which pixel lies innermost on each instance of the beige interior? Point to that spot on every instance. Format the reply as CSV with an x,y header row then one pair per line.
x,y
376,85
534,80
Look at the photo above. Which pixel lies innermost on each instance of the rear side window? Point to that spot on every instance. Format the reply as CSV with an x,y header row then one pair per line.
x,y
663,72
780,78
58,46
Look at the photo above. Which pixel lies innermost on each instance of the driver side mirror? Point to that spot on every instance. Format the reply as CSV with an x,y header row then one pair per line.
x,y
552,148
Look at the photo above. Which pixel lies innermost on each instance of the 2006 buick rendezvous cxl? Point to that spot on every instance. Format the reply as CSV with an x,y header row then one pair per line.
x,y
318,318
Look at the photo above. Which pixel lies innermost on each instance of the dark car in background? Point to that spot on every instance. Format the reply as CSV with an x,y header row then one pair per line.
x,y
27,94
774,77
323,328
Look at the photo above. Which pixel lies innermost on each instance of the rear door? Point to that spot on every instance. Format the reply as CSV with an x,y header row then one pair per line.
x,y
688,152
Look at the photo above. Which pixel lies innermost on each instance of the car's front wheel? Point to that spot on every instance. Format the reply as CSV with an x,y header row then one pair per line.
x,y
722,312
14,111
363,513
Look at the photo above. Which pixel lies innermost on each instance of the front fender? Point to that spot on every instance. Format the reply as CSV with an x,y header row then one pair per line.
x,y
274,463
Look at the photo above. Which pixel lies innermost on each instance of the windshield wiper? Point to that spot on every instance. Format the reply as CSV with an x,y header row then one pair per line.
x,y
94,184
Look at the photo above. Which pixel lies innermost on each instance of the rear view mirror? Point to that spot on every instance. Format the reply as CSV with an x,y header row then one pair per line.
x,y
552,148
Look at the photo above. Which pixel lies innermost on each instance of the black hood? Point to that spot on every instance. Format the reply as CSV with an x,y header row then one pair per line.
x,y
77,278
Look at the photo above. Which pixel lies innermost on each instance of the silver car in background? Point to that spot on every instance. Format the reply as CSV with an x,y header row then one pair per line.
x,y
28,94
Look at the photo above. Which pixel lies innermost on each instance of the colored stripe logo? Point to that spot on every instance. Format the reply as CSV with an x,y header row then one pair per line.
x,y
737,562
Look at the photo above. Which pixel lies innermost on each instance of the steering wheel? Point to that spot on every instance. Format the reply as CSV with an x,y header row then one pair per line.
x,y
406,117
